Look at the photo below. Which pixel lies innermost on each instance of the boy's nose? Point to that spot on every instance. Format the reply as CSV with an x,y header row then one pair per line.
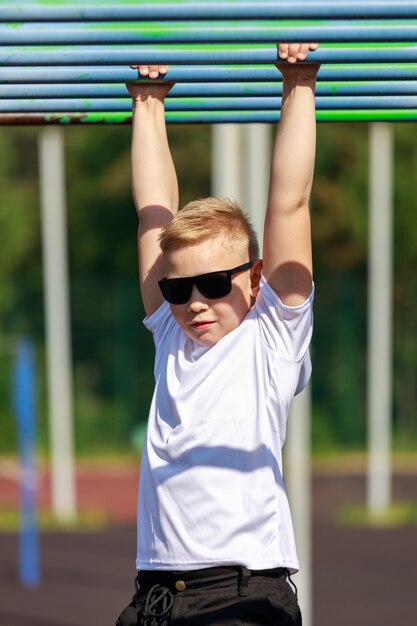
x,y
197,302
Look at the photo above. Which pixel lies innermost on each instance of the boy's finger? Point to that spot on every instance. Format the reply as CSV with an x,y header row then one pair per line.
x,y
283,50
163,69
314,46
153,71
303,51
293,52
143,70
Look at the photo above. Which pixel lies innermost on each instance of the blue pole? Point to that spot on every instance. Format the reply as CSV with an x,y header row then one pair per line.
x,y
354,9
201,74
24,404
195,55
121,105
206,90
207,32
323,103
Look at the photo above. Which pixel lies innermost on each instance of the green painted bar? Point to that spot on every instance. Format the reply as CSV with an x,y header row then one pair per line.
x,y
217,117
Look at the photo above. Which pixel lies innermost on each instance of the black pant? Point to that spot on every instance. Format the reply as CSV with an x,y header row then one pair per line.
x,y
221,596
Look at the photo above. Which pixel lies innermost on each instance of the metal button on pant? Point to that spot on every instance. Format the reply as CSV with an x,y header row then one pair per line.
x,y
180,585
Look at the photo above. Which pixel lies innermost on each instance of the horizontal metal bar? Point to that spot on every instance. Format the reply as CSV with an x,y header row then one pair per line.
x,y
197,54
197,74
207,90
204,104
319,9
207,32
205,117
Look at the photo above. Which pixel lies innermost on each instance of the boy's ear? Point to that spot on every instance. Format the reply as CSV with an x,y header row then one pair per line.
x,y
255,277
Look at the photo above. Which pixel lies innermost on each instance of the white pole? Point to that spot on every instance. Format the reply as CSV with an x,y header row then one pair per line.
x,y
380,317
297,478
247,180
257,147
58,341
225,161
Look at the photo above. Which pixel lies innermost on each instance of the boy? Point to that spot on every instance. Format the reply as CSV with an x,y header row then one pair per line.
x,y
215,539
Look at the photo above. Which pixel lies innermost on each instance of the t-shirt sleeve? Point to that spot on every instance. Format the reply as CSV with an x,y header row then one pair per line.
x,y
160,323
285,329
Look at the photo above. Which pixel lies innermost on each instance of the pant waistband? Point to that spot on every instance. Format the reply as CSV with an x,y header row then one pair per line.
x,y
195,578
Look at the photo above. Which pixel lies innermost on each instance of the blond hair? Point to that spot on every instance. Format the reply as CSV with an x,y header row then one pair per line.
x,y
207,218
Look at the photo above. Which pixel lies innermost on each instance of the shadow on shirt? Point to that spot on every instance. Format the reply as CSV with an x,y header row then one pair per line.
x,y
245,461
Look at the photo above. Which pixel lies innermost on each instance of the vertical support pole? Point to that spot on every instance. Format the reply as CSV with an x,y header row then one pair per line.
x,y
24,386
56,296
257,148
298,482
225,161
228,170
380,317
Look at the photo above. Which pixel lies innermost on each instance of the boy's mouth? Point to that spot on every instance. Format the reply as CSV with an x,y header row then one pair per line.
x,y
203,325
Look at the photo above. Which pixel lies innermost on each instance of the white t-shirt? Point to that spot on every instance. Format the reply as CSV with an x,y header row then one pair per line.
x,y
211,490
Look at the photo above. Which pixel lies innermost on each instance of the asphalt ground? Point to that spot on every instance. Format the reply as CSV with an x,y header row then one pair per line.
x,y
361,576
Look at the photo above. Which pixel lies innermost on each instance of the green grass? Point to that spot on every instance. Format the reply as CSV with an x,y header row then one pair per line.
x,y
398,515
85,521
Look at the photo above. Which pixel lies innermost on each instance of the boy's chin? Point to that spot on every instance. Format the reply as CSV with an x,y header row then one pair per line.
x,y
205,341
209,338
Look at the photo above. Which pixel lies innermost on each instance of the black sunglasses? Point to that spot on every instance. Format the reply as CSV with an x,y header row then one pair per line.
x,y
212,285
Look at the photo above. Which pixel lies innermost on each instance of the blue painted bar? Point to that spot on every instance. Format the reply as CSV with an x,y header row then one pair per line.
x,y
201,74
24,406
122,105
204,54
90,11
207,32
205,117
207,90
62,74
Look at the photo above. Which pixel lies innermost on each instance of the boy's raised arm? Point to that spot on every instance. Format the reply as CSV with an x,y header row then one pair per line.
x,y
154,181
287,239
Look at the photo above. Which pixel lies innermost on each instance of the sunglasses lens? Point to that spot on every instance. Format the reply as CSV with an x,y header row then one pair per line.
x,y
215,285
176,290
